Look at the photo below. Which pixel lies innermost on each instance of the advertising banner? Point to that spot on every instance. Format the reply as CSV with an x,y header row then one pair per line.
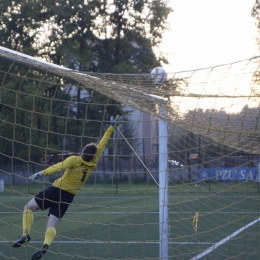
x,y
229,174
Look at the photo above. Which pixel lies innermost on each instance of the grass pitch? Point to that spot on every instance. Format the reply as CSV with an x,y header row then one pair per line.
x,y
108,222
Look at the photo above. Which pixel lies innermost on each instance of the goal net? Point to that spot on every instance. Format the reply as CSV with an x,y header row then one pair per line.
x,y
178,179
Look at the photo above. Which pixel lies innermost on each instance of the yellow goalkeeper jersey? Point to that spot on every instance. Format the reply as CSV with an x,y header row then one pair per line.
x,y
77,170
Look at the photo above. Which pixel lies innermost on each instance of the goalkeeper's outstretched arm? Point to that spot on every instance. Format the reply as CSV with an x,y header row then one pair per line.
x,y
114,123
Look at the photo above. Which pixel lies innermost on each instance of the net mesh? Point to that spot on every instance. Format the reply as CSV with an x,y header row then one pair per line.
x,y
49,112
220,103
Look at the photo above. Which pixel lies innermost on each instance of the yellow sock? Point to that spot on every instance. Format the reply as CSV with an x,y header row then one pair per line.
x,y
49,235
27,221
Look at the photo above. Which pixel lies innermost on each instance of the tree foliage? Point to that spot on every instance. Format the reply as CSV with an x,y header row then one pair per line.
x,y
255,12
105,36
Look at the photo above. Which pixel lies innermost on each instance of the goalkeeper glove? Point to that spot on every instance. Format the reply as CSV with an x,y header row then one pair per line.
x,y
35,176
115,123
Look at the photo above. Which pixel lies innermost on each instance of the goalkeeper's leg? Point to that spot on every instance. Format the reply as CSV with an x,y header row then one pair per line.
x,y
49,236
29,208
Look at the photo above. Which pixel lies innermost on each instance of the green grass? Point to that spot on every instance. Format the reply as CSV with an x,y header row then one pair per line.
x,y
109,222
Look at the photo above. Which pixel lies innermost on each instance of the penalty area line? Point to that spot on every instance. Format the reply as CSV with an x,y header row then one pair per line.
x,y
216,245
116,242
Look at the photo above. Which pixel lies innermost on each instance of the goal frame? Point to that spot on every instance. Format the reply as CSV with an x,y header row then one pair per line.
x,y
163,139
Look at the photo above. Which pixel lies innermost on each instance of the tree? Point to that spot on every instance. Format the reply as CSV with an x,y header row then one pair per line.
x,y
19,25
255,12
104,36
100,36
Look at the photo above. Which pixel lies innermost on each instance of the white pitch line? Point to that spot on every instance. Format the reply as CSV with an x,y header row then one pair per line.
x,y
121,196
145,212
116,242
210,249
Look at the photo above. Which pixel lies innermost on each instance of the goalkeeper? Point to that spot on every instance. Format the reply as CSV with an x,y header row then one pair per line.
x,y
59,196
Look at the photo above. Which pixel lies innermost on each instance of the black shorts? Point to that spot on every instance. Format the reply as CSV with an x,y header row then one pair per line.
x,y
54,199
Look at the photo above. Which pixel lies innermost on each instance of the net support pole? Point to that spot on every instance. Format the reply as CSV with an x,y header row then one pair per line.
x,y
163,189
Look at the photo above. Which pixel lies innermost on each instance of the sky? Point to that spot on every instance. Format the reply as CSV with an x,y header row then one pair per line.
x,y
207,33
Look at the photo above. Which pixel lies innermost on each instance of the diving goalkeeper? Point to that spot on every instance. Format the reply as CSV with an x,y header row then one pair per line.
x,y
59,196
